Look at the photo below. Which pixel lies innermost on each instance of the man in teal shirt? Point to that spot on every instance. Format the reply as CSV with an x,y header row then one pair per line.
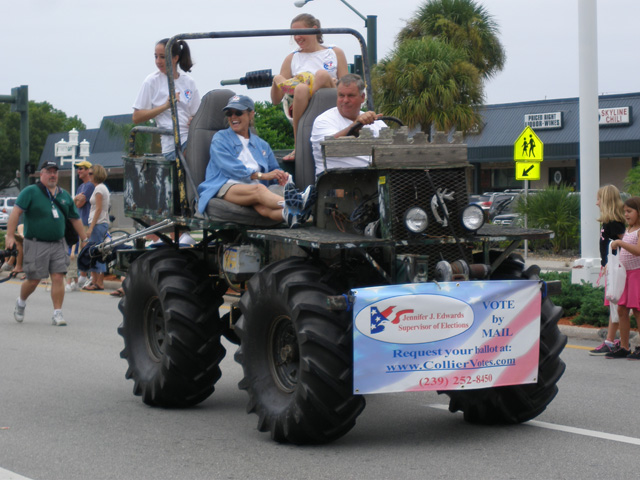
x,y
45,250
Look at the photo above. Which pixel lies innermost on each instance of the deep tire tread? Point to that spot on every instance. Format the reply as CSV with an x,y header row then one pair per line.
x,y
321,407
189,367
519,403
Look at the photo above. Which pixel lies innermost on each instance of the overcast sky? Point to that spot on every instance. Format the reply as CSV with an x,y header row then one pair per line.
x,y
89,58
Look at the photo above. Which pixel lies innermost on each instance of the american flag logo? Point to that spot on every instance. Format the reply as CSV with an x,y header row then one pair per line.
x,y
379,319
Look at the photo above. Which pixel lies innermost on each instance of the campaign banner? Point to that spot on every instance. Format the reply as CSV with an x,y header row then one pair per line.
x,y
446,336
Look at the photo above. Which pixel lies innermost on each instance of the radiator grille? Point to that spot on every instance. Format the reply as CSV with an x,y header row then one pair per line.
x,y
409,188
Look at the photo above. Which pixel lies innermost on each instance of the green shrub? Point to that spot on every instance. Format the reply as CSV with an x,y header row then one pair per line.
x,y
273,126
583,300
572,295
554,208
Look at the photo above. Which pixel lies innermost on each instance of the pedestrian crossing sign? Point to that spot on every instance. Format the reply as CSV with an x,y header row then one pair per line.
x,y
528,147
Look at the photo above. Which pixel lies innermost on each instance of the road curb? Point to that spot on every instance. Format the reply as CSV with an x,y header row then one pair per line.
x,y
572,331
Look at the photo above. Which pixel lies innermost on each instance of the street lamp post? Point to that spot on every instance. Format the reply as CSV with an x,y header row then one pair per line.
x,y
370,23
68,149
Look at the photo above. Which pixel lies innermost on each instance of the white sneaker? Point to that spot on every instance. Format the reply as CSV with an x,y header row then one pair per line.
x,y
6,267
18,312
68,287
81,282
58,320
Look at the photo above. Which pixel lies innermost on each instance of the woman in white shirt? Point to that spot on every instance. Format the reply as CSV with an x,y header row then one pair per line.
x,y
153,98
98,222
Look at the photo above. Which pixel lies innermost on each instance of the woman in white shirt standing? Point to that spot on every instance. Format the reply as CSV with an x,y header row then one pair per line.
x,y
98,222
153,98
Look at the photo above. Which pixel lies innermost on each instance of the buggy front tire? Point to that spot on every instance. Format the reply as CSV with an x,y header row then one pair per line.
x,y
296,355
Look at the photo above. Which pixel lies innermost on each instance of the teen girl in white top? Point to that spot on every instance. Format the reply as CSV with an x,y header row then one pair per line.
x,y
324,64
153,99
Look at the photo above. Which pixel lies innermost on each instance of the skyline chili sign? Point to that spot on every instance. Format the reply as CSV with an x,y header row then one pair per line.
x,y
446,336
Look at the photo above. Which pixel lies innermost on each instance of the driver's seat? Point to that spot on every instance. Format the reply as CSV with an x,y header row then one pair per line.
x,y
320,102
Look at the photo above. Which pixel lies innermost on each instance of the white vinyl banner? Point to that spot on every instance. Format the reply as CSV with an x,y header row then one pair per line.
x,y
447,336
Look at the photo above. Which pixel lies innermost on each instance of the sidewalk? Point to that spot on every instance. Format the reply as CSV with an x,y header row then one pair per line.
x,y
551,263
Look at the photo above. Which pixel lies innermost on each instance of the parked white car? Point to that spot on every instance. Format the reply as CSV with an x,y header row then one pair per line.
x,y
6,205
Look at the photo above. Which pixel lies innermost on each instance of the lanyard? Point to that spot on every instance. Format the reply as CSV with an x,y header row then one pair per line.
x,y
54,212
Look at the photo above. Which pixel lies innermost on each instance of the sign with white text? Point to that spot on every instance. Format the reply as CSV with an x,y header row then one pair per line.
x,y
540,121
447,336
614,116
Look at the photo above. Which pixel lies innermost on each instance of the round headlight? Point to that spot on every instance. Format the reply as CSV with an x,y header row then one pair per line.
x,y
472,218
415,219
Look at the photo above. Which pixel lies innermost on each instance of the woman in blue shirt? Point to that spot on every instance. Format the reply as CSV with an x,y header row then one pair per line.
x,y
242,165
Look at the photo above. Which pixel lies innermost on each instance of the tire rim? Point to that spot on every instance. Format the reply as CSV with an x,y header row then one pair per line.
x,y
284,354
154,329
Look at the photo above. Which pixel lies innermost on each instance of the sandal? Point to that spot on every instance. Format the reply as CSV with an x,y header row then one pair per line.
x,y
92,288
117,293
290,157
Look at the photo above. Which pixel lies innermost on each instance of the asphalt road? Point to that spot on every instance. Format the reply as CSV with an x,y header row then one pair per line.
x,y
67,413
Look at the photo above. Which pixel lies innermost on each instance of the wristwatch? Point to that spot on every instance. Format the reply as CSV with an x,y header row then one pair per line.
x,y
259,174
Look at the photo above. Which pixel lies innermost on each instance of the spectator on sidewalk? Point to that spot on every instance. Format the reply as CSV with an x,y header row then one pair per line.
x,y
81,200
630,258
98,222
45,207
611,228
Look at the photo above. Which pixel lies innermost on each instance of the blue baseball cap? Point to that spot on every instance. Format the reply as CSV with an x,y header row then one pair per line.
x,y
239,102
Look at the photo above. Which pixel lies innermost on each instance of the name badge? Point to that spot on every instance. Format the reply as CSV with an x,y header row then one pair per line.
x,y
54,212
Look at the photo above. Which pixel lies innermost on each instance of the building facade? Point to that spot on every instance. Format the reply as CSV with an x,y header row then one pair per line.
x,y
557,125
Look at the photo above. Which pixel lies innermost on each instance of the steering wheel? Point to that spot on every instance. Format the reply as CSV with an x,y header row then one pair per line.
x,y
355,130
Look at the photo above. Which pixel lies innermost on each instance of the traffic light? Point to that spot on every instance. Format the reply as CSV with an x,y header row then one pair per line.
x,y
21,95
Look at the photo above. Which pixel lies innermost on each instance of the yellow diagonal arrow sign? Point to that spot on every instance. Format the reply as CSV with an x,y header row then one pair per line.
x,y
527,170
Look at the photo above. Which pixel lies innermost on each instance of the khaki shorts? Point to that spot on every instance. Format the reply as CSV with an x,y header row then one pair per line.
x,y
43,258
224,189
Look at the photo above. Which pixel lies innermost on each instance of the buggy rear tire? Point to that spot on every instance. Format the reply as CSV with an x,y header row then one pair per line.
x,y
171,329
519,403
296,355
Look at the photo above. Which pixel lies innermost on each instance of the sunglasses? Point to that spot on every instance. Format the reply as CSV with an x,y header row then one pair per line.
x,y
237,113
90,173
81,168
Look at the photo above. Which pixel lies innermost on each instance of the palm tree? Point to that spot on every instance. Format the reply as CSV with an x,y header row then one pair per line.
x,y
428,81
464,24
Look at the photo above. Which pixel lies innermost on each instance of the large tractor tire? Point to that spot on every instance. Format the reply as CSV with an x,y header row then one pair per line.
x,y
171,329
297,355
519,403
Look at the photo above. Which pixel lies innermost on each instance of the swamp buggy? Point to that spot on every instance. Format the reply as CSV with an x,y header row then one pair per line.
x,y
391,286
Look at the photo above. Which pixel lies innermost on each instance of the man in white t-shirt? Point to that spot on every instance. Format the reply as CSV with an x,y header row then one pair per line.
x,y
337,122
